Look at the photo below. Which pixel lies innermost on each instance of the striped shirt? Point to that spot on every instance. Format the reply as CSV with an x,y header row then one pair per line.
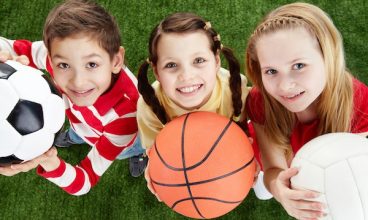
x,y
109,126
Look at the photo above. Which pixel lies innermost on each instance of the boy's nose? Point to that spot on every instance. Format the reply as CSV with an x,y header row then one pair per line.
x,y
78,79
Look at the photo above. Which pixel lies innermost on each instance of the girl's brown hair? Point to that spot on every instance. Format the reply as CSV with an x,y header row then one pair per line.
x,y
186,23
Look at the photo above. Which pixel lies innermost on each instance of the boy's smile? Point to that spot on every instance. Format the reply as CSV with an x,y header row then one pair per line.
x,y
82,69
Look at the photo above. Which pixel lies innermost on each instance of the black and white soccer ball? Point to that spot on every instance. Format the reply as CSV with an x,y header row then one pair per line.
x,y
31,113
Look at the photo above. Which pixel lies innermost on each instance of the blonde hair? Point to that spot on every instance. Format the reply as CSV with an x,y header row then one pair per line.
x,y
334,105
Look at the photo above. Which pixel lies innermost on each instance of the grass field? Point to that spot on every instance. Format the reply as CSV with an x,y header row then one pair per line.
x,y
117,195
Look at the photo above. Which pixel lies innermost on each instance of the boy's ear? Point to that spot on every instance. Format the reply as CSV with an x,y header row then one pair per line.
x,y
118,61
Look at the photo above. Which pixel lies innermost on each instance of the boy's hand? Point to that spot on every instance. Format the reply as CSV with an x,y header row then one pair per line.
x,y
28,165
5,55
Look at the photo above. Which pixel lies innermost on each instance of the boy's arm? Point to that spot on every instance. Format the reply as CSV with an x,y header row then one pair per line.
x,y
35,51
78,180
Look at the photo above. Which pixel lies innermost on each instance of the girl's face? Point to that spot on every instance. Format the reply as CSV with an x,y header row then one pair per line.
x,y
292,68
186,68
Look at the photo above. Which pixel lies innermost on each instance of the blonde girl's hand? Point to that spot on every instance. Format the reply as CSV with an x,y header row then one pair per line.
x,y
28,165
297,202
5,55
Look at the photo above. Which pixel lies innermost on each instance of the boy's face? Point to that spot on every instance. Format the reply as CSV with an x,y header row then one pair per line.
x,y
83,69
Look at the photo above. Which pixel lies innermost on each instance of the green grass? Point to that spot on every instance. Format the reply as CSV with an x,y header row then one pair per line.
x,y
117,195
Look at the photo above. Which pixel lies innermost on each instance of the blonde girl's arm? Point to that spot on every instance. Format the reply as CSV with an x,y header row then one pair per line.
x,y
277,177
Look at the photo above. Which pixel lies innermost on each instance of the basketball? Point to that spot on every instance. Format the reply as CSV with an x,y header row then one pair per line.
x,y
202,165
336,165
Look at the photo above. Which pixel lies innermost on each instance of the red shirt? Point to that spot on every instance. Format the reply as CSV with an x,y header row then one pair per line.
x,y
304,132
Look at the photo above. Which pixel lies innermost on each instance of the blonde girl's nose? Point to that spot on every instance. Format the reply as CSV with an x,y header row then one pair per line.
x,y
286,83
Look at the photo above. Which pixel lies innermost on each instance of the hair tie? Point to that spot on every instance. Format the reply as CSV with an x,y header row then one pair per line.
x,y
148,61
207,25
217,38
236,118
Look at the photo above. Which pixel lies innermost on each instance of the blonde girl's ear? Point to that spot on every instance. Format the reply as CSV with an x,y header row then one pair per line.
x,y
118,61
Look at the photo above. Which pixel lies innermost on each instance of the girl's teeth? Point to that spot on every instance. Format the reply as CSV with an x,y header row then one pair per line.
x,y
189,89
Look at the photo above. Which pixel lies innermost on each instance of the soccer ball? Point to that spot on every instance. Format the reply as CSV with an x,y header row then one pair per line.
x,y
335,165
30,113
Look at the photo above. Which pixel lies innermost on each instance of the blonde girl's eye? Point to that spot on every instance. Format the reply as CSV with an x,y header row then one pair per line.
x,y
271,72
63,65
170,65
298,66
91,65
199,60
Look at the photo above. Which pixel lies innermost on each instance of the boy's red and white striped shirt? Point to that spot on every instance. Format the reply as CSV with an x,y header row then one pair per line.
x,y
109,126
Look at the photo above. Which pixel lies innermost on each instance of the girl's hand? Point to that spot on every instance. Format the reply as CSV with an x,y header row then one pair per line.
x,y
5,55
28,165
148,178
149,184
297,203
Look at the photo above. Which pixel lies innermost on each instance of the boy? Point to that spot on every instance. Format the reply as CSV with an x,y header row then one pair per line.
x,y
84,57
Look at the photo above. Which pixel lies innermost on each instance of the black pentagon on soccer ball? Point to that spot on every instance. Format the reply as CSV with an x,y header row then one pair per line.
x,y
6,71
6,161
26,117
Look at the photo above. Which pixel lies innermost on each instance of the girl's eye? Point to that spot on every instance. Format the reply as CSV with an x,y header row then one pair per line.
x,y
63,65
271,71
170,65
91,65
298,66
199,60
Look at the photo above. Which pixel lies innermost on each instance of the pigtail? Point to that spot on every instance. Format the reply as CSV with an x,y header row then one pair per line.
x,y
234,80
148,93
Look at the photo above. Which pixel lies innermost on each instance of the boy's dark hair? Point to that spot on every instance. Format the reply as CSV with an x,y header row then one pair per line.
x,y
184,23
75,17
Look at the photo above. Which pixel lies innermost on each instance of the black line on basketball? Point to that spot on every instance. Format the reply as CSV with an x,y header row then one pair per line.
x,y
205,198
204,158
204,181
184,165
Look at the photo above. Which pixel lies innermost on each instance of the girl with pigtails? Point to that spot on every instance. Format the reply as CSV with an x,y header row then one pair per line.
x,y
184,53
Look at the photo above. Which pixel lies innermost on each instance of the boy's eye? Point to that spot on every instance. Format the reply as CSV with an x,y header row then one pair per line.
x,y
170,65
298,66
199,60
63,65
91,65
271,71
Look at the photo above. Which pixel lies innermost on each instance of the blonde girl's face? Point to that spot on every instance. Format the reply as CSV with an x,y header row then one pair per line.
x,y
186,68
292,68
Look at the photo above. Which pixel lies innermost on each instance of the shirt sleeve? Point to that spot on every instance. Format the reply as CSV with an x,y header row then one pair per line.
x,y
35,51
78,180
359,122
254,106
148,124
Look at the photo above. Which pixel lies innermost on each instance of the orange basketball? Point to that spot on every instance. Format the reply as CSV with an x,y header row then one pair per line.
x,y
201,165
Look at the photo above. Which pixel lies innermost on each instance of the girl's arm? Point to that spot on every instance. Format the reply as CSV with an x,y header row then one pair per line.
x,y
277,175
